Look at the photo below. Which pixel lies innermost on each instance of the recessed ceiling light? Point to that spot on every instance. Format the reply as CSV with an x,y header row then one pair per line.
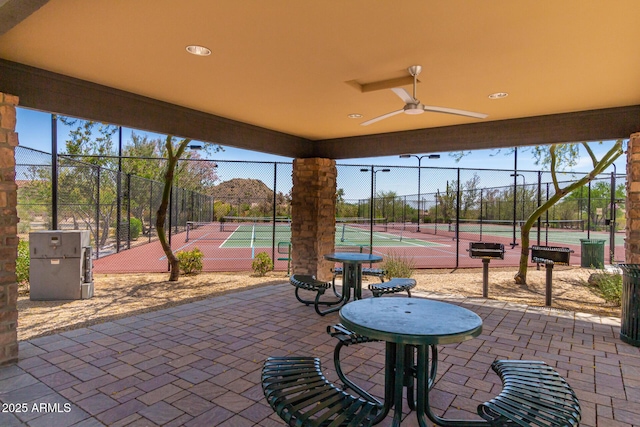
x,y
498,95
198,50
354,116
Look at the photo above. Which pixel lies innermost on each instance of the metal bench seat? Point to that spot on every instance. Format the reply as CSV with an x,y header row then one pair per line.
x,y
393,286
533,394
299,393
310,283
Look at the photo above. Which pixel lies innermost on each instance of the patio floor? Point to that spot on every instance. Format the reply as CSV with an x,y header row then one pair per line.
x,y
199,364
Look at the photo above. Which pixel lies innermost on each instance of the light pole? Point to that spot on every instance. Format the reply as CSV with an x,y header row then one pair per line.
x,y
371,203
524,185
429,156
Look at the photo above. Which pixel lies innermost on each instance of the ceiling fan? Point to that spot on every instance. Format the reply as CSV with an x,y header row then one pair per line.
x,y
414,106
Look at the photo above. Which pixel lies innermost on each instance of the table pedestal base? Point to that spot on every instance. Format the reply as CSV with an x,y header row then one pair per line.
x,y
409,366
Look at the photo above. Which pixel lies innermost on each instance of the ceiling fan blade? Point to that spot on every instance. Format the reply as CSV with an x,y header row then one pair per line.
x,y
404,95
382,117
454,111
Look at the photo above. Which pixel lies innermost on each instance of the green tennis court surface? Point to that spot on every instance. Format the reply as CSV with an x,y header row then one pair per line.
x,y
571,235
259,236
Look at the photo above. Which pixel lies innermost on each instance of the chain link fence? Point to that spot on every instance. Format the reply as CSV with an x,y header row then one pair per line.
x,y
232,210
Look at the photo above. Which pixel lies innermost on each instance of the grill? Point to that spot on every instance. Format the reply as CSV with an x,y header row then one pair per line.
x,y
486,251
550,256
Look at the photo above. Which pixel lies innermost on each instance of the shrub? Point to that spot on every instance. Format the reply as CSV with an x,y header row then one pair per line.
x,y
135,228
262,264
22,263
397,266
608,286
190,262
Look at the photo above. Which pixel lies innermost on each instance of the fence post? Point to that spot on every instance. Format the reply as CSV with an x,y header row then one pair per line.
x,y
98,214
129,211
437,197
588,210
119,191
273,235
481,215
612,223
150,209
458,221
118,204
170,216
539,202
54,172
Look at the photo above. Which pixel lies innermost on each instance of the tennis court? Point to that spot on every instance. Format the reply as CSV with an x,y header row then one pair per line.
x,y
231,244
260,233
552,233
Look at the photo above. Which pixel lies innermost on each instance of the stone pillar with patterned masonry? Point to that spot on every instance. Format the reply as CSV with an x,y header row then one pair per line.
x,y
8,230
632,213
313,216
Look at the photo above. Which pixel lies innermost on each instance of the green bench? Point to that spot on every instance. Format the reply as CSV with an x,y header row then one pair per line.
x,y
533,394
397,284
297,390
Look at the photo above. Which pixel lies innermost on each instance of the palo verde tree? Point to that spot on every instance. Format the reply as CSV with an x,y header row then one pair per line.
x,y
174,151
556,157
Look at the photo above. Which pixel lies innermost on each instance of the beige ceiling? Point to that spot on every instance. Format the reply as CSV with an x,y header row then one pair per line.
x,y
291,65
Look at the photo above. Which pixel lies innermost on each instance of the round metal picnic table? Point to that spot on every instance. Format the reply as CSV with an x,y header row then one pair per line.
x,y
352,270
406,324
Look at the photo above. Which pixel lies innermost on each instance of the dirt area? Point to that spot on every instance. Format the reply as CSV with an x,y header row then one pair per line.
x,y
121,295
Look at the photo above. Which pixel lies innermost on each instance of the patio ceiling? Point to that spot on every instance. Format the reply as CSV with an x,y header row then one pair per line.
x,y
284,76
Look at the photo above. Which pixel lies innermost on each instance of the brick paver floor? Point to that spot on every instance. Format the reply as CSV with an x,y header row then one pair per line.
x,y
199,364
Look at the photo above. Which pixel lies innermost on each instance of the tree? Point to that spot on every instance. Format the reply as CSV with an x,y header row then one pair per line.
x,y
600,195
173,155
82,179
447,201
470,194
556,156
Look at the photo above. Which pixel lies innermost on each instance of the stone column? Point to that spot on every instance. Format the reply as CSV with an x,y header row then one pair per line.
x,y
313,216
632,213
8,230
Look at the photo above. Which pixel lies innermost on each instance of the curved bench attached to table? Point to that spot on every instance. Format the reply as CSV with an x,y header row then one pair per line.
x,y
299,393
393,286
533,394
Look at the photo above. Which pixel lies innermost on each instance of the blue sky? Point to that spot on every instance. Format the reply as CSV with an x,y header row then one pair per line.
x,y
34,131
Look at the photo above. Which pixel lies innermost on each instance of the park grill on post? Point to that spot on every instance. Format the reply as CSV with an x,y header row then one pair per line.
x,y
550,256
486,251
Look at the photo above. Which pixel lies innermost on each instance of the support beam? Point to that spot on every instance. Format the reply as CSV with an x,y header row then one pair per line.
x,y
46,91
12,12
592,125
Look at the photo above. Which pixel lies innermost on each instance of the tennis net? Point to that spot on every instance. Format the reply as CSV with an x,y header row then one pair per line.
x,y
262,228
479,226
359,229
241,228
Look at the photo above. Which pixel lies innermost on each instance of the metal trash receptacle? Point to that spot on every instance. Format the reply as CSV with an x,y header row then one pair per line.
x,y
592,253
630,318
